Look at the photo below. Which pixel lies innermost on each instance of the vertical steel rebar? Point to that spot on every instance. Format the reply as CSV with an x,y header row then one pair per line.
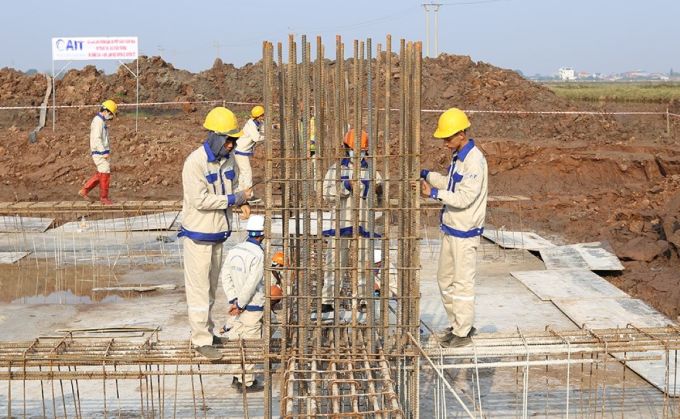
x,y
267,52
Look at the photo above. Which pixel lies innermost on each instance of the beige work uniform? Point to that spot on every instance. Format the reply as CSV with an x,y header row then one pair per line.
x,y
243,281
244,151
337,189
99,143
463,192
210,190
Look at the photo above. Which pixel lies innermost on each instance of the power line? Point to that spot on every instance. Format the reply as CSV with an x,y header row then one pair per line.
x,y
435,8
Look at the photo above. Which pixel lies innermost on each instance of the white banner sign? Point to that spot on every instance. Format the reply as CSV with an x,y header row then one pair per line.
x,y
99,48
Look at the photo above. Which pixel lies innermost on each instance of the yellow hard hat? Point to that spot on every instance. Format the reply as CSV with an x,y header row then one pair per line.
x,y
222,121
257,111
451,122
110,106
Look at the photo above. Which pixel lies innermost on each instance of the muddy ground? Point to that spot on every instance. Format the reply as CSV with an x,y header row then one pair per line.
x,y
590,178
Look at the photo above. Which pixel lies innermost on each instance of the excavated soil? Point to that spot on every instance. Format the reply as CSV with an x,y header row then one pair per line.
x,y
590,177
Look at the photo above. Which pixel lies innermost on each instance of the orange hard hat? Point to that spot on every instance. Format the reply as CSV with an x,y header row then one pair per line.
x,y
276,292
349,139
278,259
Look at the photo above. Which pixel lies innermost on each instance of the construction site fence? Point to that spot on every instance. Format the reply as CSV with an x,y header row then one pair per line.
x,y
223,102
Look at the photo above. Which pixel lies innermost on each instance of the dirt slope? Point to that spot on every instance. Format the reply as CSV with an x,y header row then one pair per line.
x,y
589,177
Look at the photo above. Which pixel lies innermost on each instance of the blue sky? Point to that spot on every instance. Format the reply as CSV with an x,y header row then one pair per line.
x,y
534,36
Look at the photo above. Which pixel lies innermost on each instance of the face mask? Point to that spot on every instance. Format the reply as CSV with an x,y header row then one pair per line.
x,y
351,154
108,117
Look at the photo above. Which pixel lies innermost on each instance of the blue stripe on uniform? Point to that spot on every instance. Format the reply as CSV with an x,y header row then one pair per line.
x,y
450,231
204,237
347,231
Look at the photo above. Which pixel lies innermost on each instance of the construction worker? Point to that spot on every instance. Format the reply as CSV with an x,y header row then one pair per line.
x,y
463,192
243,281
391,275
278,262
100,152
210,185
252,134
338,187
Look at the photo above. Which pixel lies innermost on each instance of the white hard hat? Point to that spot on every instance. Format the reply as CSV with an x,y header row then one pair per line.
x,y
255,223
377,256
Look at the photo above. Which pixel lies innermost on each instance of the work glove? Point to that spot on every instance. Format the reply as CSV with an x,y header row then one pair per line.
x,y
243,196
424,173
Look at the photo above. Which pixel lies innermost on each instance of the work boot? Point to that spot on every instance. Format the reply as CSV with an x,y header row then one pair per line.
x,y
443,334
83,193
104,182
453,341
209,352
89,185
254,387
218,340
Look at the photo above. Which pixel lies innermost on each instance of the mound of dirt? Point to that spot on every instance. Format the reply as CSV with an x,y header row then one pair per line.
x,y
590,177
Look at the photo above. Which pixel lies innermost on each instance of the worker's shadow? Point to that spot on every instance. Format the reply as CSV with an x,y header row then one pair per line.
x,y
467,379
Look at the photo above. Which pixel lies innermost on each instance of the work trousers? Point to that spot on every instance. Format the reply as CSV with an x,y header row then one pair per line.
x,y
456,276
202,263
102,163
245,172
328,290
247,325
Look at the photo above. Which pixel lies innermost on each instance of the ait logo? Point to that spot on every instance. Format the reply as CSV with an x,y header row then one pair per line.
x,y
69,45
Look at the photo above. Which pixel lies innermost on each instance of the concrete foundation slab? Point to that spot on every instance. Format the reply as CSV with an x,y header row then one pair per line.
x,y
567,283
17,224
517,239
158,221
591,256
611,313
11,257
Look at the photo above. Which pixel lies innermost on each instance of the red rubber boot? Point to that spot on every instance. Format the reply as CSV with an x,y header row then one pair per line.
x,y
104,182
89,185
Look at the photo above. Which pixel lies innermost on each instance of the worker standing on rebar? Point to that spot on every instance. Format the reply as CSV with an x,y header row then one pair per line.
x,y
243,281
463,192
338,190
211,190
252,134
100,152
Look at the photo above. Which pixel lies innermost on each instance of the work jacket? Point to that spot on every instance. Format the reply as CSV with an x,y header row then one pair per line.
x,y
210,187
463,191
242,276
251,136
337,189
99,136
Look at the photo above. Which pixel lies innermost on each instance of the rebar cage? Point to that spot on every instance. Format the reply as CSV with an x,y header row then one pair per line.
x,y
332,240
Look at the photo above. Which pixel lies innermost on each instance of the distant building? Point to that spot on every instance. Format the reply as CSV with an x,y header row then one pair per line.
x,y
566,73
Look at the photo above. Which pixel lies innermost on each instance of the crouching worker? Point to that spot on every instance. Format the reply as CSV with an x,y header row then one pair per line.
x,y
243,281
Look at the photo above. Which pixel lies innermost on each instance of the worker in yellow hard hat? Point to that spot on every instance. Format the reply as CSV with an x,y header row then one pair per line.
x,y
100,152
252,134
339,190
209,180
463,192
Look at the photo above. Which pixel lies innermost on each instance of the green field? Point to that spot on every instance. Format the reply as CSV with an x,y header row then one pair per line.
x,y
652,92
